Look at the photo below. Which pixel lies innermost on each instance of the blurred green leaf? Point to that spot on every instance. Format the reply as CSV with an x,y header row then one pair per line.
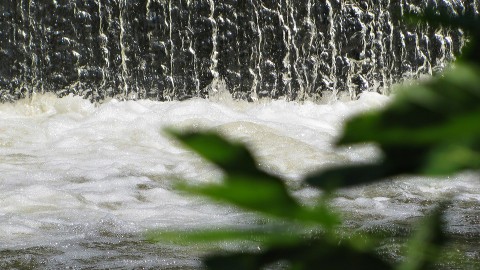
x,y
425,246
444,109
245,185
233,158
316,254
266,235
469,22
254,195
451,158
348,175
264,197
432,128
436,18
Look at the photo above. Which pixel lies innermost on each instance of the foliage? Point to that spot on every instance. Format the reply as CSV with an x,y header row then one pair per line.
x,y
431,128
293,235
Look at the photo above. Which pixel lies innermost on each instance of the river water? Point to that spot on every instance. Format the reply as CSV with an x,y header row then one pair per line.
x,y
81,183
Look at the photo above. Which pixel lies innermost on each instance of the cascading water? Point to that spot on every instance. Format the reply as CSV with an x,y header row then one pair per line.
x,y
176,49
80,182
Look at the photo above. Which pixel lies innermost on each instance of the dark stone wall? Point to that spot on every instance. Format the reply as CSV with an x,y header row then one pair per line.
x,y
175,49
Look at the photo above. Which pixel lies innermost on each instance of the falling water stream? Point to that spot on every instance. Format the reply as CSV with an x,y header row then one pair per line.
x,y
178,49
89,86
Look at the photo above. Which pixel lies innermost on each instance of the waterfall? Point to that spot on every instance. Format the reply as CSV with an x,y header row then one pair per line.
x,y
178,49
85,176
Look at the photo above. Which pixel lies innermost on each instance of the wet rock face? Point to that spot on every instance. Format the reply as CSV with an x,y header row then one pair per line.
x,y
176,49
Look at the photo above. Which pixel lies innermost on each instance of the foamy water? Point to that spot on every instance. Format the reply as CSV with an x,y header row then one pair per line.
x,y
80,182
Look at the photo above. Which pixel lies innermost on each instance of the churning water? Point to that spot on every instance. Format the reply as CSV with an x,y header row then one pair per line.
x,y
80,182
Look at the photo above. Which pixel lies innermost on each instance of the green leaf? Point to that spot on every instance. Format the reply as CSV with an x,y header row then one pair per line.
x,y
429,129
245,185
424,247
264,197
452,158
443,109
316,254
233,158
346,176
265,235
260,196
442,18
469,22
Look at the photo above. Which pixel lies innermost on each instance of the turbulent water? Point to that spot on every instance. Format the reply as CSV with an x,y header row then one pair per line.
x,y
80,183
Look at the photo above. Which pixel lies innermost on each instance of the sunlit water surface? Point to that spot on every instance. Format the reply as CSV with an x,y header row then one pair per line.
x,y
80,183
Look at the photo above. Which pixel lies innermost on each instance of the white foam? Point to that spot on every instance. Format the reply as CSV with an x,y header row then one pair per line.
x,y
69,167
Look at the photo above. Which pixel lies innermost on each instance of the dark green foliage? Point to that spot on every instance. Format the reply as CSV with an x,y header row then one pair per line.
x,y
233,158
292,240
439,111
424,247
468,22
431,128
306,255
246,185
349,175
